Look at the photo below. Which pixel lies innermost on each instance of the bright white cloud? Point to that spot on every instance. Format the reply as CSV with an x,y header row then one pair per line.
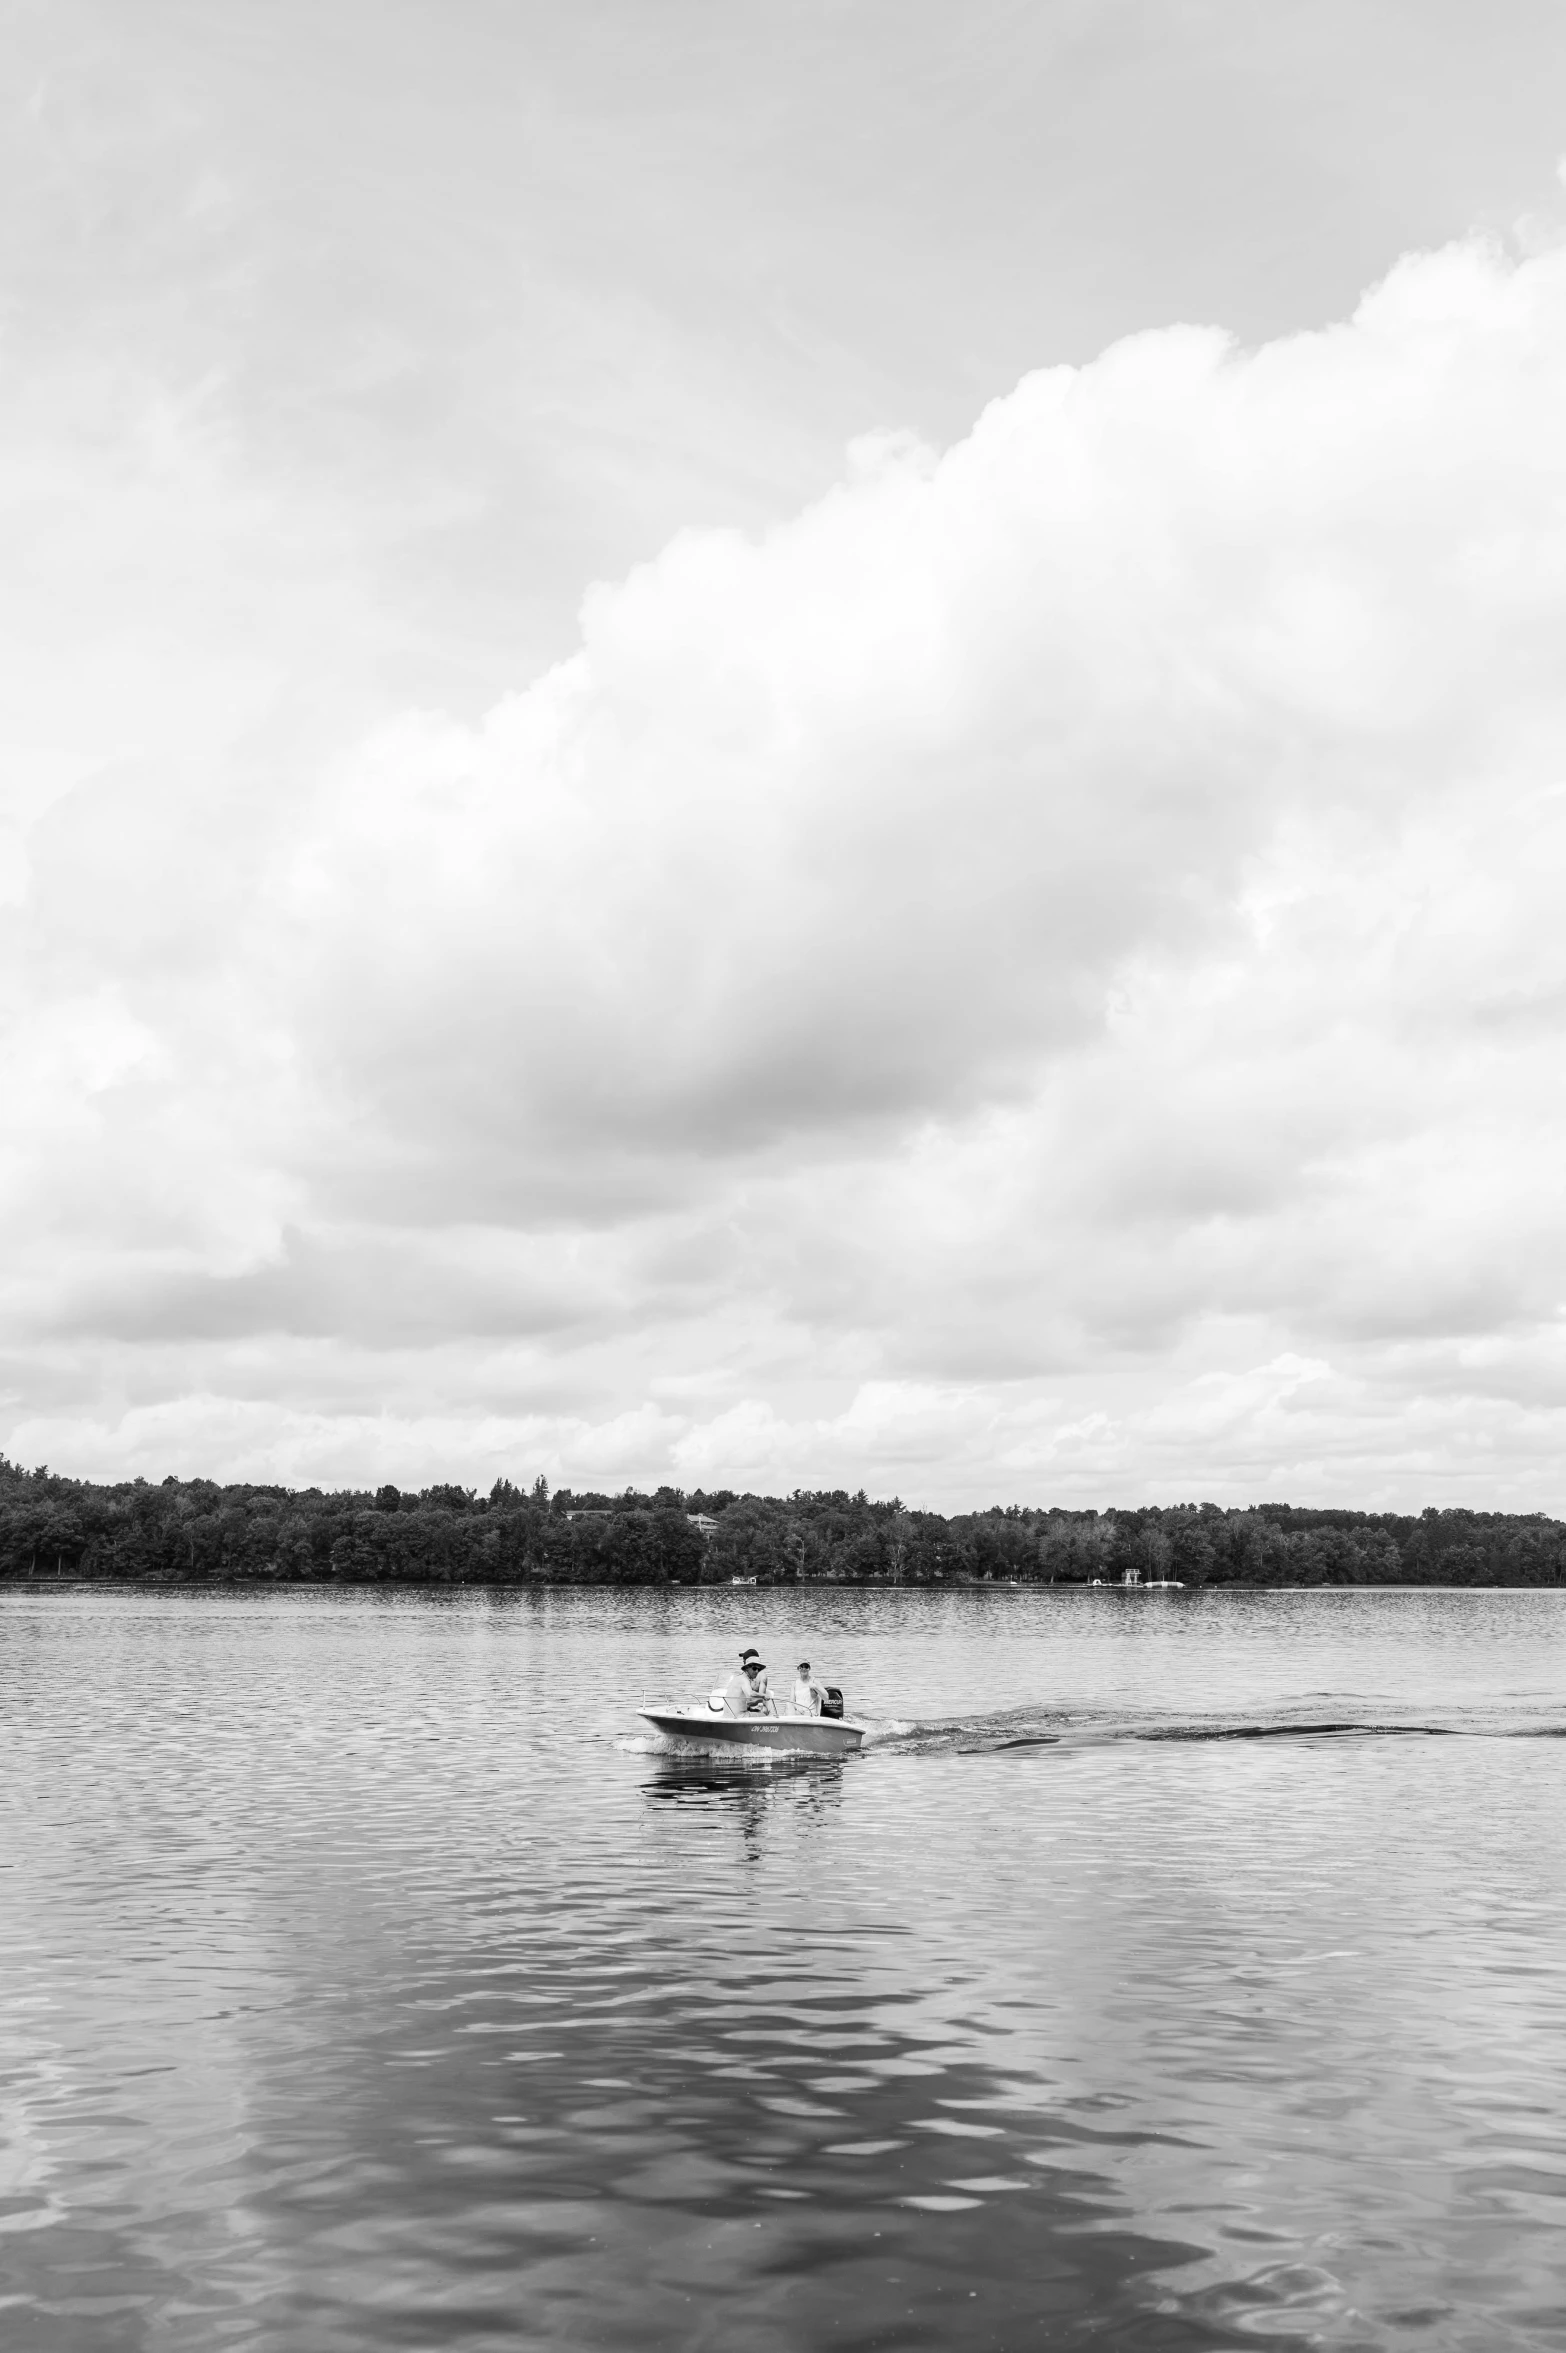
x,y
940,993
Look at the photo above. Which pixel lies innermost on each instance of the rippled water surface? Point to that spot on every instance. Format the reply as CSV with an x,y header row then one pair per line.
x,y
1168,1972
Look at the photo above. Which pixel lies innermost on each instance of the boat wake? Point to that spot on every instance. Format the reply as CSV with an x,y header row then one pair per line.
x,y
1333,1718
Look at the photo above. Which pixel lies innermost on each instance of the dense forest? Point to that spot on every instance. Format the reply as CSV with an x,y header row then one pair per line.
x,y
54,1529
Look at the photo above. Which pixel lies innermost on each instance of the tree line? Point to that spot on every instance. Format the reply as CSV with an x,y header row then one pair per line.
x,y
54,1529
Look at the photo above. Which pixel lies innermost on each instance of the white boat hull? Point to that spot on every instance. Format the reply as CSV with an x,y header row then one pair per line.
x,y
822,1736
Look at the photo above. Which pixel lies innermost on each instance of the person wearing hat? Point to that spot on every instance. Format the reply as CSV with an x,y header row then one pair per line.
x,y
807,1698
746,1690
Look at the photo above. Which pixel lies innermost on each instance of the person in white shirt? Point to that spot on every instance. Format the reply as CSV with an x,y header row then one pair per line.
x,y
746,1692
807,1699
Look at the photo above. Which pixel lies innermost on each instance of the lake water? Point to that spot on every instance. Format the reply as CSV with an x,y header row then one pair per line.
x,y
1170,1971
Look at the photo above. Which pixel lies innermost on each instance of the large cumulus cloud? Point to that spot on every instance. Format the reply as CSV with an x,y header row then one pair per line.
x,y
964,987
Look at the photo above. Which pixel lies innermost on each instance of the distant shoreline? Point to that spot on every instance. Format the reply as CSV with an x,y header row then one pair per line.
x,y
55,1529
299,1585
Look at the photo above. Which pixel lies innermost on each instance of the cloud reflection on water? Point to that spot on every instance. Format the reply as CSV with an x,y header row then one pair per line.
x,y
359,1991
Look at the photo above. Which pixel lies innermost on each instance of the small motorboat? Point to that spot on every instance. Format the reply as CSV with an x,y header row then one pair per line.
x,y
709,1724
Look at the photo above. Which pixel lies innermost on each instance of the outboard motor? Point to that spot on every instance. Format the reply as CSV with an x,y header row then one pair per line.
x,y
831,1700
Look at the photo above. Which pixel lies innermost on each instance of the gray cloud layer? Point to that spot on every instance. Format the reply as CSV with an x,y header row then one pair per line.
x,y
1040,973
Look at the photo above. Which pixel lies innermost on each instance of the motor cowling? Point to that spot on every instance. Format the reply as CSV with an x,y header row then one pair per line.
x,y
831,1700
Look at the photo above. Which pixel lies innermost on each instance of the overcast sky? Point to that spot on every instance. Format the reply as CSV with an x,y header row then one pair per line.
x,y
770,746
